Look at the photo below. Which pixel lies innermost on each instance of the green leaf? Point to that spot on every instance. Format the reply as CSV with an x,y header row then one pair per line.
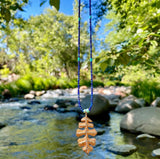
x,y
55,3
97,60
25,1
154,43
42,3
103,66
7,15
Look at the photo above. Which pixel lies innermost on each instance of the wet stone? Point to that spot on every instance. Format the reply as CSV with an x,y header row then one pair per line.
x,y
13,100
123,150
47,107
25,107
33,102
156,153
100,131
2,125
145,136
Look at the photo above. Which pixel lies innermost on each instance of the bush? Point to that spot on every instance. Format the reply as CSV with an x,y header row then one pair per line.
x,y
23,85
146,89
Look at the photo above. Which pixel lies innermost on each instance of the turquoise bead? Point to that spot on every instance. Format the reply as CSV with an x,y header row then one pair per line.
x,y
86,111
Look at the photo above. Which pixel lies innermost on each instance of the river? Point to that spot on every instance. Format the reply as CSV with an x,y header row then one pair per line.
x,y
38,134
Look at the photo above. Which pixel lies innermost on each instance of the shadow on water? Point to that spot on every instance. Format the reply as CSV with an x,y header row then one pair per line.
x,y
38,134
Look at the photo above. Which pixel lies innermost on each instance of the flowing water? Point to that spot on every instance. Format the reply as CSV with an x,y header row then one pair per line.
x,y
38,134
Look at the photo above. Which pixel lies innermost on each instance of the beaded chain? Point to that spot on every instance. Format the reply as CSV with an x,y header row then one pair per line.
x,y
79,40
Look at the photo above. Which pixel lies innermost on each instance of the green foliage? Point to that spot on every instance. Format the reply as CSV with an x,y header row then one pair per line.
x,y
5,71
23,85
55,3
47,44
134,34
9,8
147,89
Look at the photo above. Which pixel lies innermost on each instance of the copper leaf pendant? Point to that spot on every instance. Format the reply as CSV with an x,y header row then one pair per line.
x,y
86,129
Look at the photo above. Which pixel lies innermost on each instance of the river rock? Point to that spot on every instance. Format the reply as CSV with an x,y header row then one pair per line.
x,y
2,125
113,100
145,136
63,103
29,96
156,153
48,107
52,94
142,120
33,102
25,108
156,102
13,100
100,131
83,88
123,150
127,104
100,107
32,92
39,93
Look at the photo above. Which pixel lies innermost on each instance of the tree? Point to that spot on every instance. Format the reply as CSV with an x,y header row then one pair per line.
x,y
47,43
9,8
134,36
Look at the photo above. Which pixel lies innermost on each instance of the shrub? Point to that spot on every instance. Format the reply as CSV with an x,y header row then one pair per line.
x,y
146,89
23,85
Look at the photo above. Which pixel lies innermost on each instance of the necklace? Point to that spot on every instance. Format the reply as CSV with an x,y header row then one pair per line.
x,y
86,126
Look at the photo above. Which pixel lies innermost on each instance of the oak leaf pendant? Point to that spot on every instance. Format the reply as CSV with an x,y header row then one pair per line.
x,y
87,129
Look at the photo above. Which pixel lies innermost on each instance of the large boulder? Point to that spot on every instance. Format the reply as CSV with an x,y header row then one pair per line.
x,y
142,120
100,107
129,103
113,100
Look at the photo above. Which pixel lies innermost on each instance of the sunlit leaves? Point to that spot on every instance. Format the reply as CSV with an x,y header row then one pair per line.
x,y
134,36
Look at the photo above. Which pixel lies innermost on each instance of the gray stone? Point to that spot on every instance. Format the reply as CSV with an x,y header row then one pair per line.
x,y
113,100
145,136
123,150
100,106
142,120
156,102
128,103
156,153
